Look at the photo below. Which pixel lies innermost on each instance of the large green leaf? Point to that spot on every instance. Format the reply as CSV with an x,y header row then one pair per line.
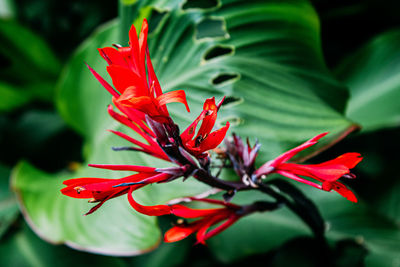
x,y
282,94
373,77
23,248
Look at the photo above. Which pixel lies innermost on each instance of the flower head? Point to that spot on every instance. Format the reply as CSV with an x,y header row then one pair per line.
x,y
134,79
327,173
241,154
204,139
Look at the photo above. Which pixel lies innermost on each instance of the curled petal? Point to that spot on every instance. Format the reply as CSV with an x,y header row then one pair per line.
x,y
341,189
156,210
174,96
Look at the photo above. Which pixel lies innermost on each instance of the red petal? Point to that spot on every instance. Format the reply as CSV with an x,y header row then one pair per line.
x,y
217,202
344,191
156,210
135,116
124,120
83,181
207,223
124,78
321,173
152,75
115,194
291,153
210,117
174,96
70,191
220,228
134,168
180,232
188,134
185,212
109,185
103,82
350,160
142,48
134,47
113,56
214,139
298,179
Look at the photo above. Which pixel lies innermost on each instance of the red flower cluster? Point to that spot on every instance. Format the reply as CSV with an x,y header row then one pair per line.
x,y
327,172
139,98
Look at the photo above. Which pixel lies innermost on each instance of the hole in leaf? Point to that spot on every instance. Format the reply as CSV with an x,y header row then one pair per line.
x,y
224,77
202,4
232,100
233,121
218,51
211,28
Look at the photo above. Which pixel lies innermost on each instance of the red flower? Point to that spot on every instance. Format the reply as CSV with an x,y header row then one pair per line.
x,y
101,189
327,172
208,218
134,78
204,140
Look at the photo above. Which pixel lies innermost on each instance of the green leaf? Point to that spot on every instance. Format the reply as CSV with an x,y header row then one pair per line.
x,y
348,220
167,255
12,97
24,248
302,206
372,75
29,69
57,218
8,204
285,95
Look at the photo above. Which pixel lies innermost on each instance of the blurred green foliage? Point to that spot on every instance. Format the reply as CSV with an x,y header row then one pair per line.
x,y
359,41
